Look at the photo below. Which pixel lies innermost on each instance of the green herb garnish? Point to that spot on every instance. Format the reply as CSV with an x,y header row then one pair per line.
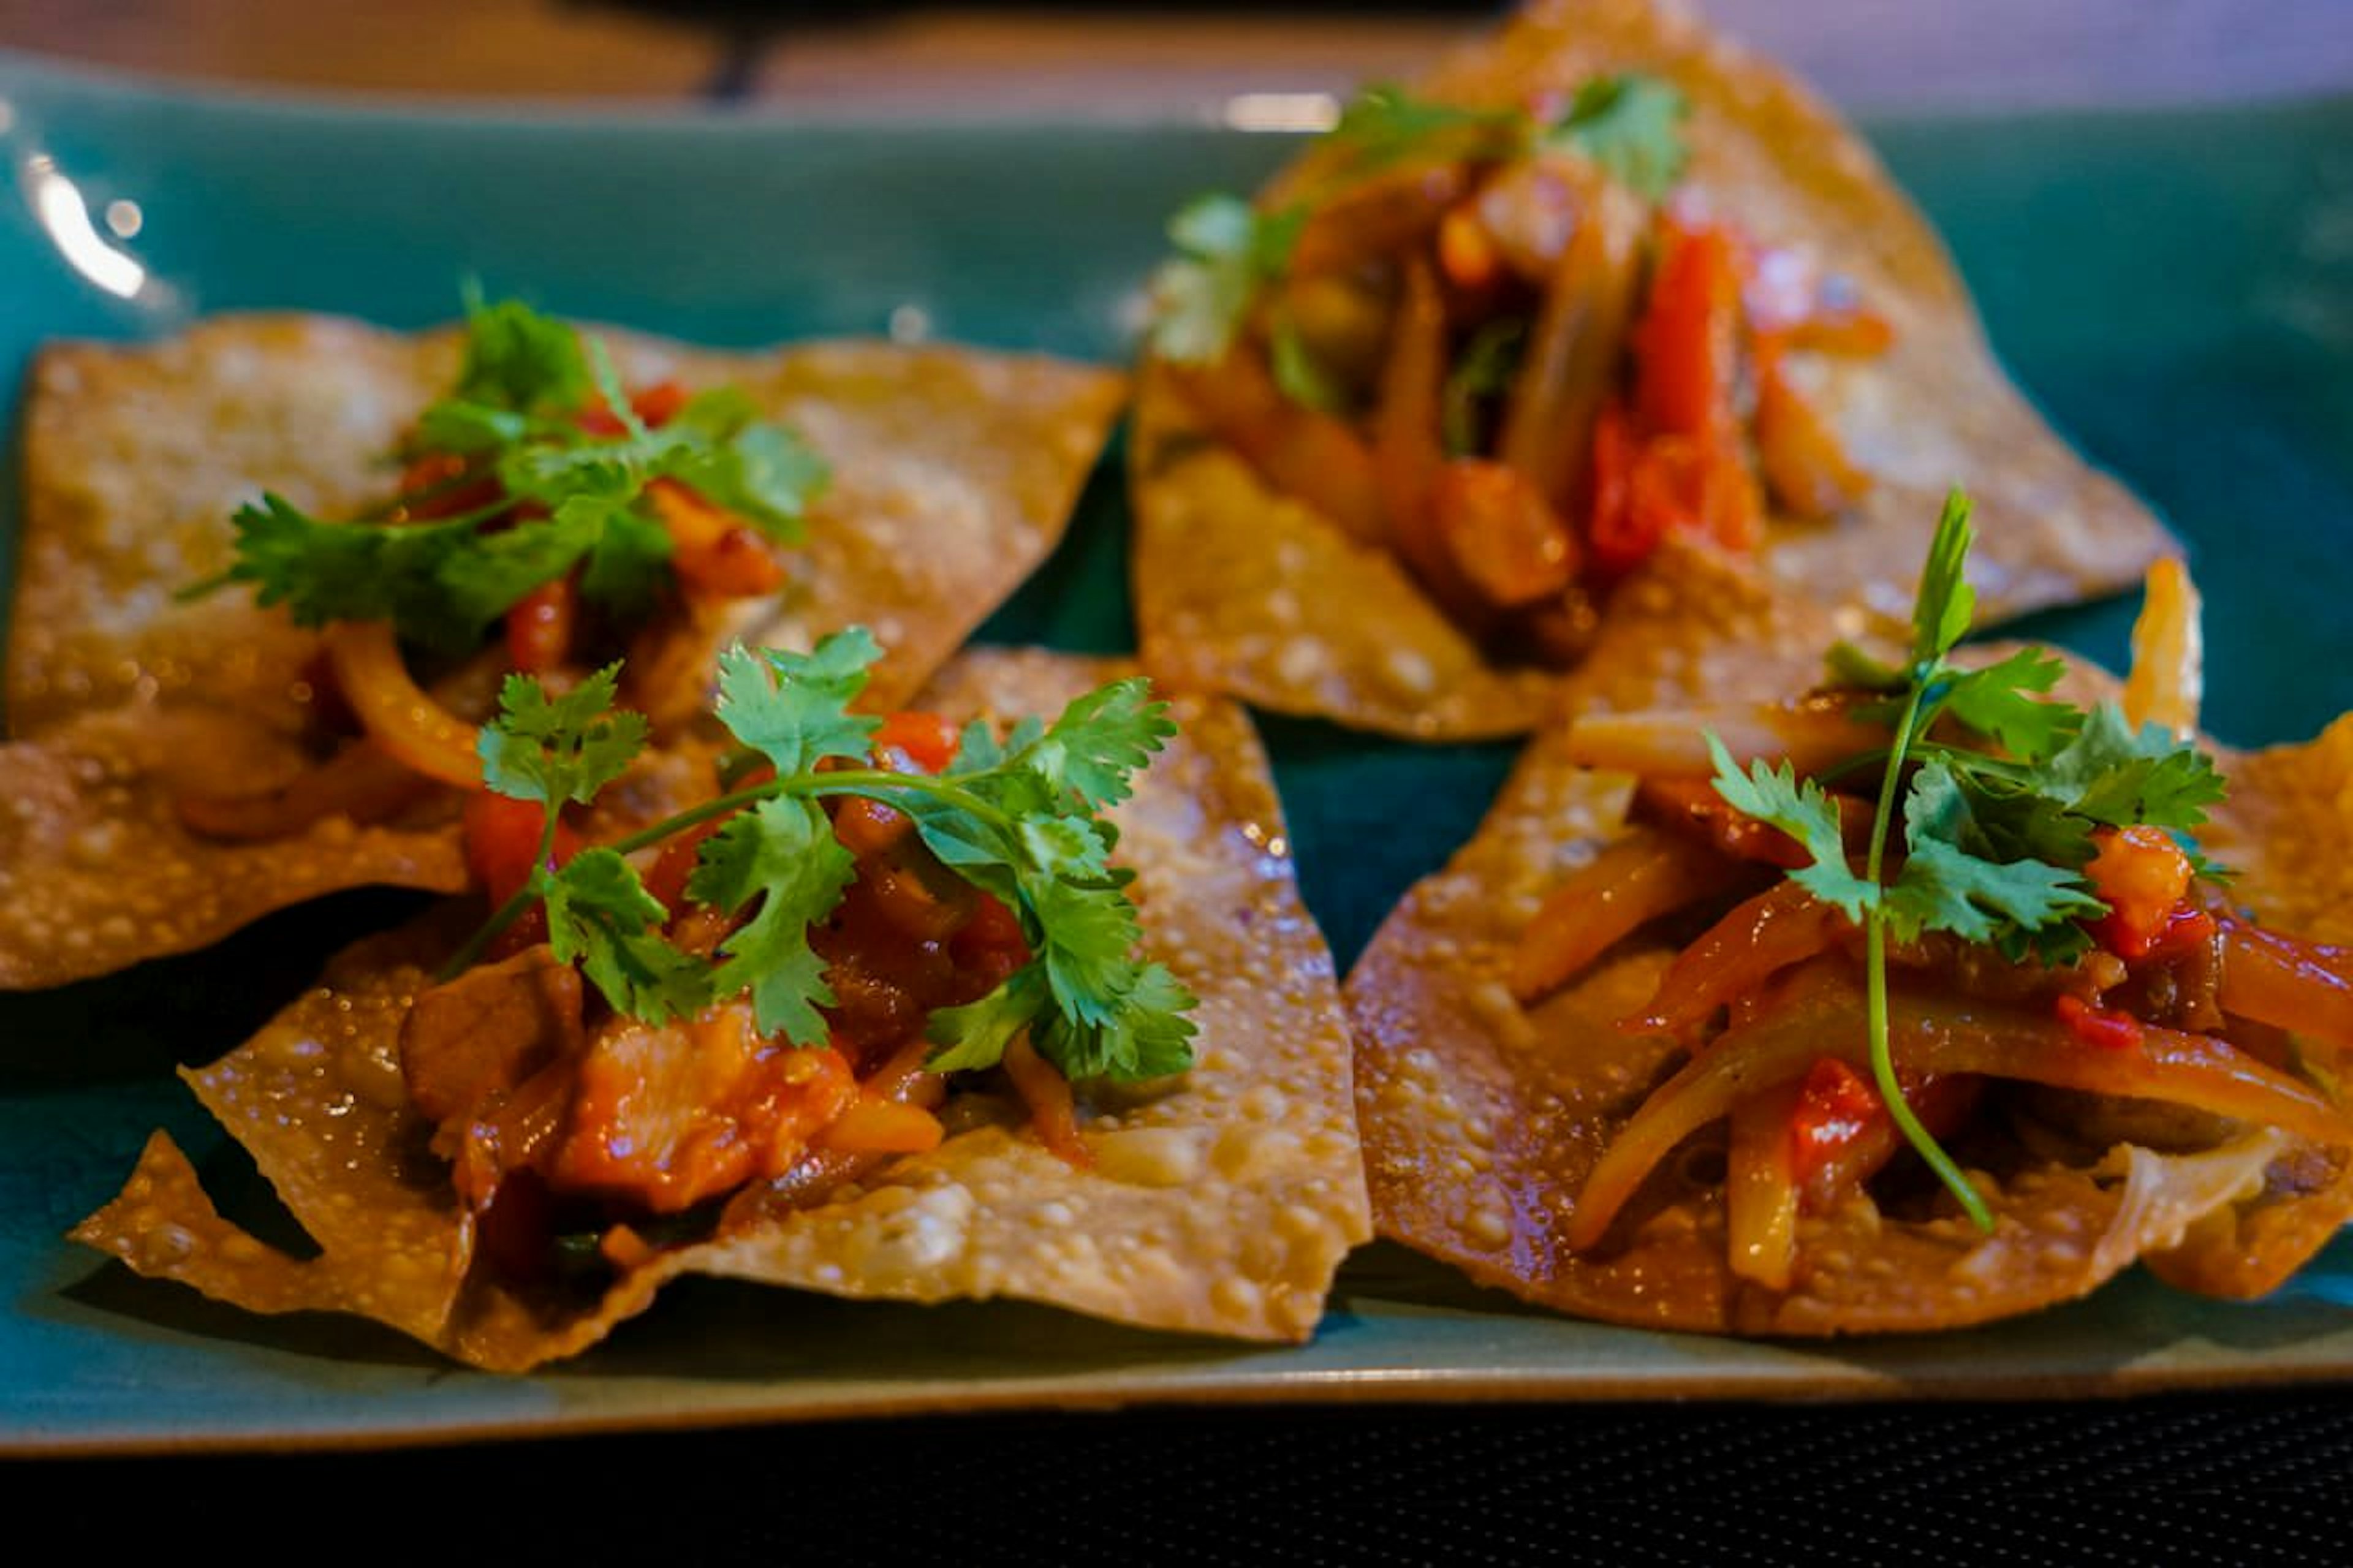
x,y
1019,818
1998,824
568,495
1227,253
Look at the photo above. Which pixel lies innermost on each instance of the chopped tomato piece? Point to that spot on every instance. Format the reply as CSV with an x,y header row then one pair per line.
x,y
2101,1027
927,740
715,553
2141,874
654,406
1836,1107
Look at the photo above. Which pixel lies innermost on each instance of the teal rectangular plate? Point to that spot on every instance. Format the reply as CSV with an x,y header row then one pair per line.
x,y
2175,289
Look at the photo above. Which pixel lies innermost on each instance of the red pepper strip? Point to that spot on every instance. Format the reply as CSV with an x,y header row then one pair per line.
x,y
1836,1161
1617,539
540,626
502,837
1685,484
1687,345
1824,1013
1835,1105
2102,1027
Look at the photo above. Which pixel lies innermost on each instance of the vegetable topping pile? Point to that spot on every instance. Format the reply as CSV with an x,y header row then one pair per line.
x,y
779,977
1505,345
540,496
2042,918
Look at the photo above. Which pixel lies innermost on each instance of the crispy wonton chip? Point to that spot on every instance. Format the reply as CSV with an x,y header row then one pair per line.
x,y
1335,627
1219,1203
1482,1120
953,473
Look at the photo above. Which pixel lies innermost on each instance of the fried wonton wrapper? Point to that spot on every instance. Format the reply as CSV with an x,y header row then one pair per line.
x,y
954,474
1332,626
1482,1120
1219,1203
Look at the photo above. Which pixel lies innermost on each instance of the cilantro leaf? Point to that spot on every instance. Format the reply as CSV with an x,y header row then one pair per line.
x,y
600,916
2115,775
440,581
1098,743
565,494
1956,878
793,708
1632,125
1804,811
519,360
553,750
1018,819
2004,701
782,853
1227,251
976,1035
1946,604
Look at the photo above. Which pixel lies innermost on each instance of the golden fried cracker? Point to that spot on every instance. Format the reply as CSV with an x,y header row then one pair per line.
x,y
1219,1203
1240,590
1482,1120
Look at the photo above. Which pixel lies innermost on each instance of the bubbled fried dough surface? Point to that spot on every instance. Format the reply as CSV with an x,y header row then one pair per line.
x,y
1220,1202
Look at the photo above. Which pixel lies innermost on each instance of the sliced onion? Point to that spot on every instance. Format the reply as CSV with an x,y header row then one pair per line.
x,y
409,724
1737,956
1630,883
1578,339
1760,1188
1813,734
1824,1015
2300,986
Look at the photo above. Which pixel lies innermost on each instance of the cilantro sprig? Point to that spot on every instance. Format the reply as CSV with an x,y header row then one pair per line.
x,y
2002,787
569,495
1229,253
1019,817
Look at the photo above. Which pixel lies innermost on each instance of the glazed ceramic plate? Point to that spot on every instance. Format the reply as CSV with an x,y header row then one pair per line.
x,y
2176,290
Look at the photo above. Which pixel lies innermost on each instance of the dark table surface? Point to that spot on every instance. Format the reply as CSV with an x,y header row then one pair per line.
x,y
2256,1476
